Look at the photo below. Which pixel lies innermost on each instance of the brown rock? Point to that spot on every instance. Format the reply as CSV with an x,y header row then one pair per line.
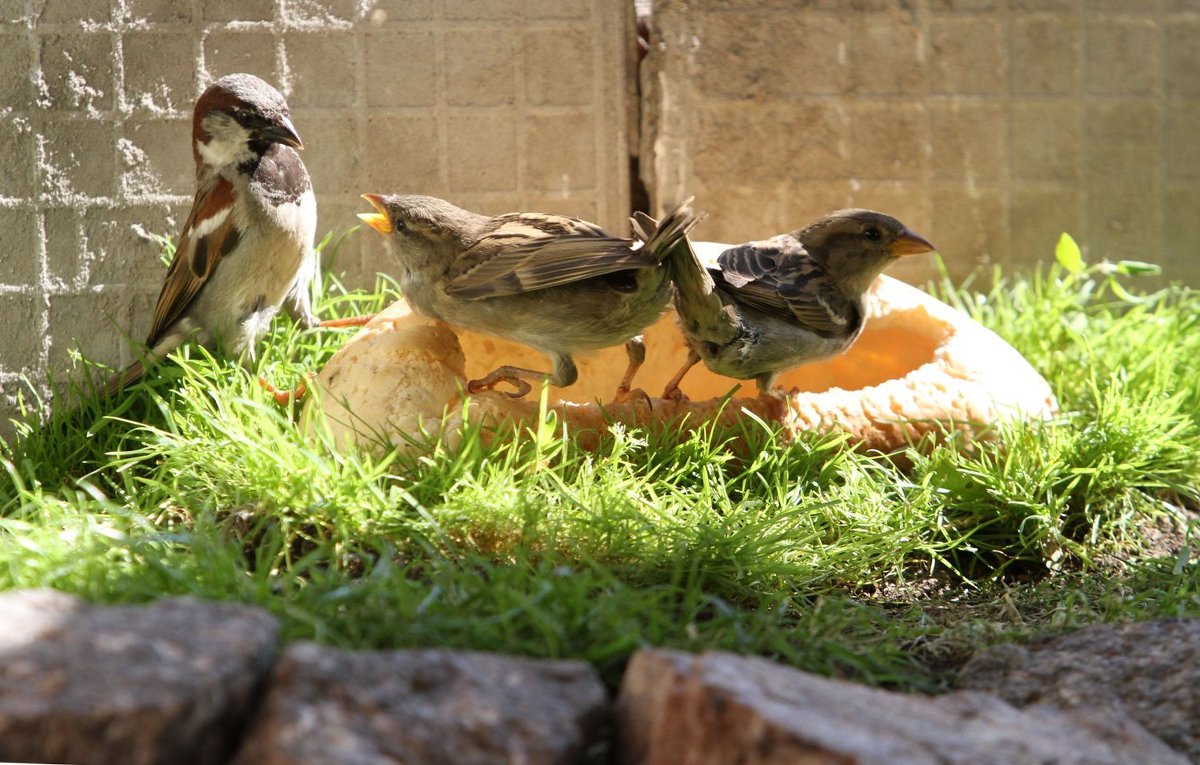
x,y
1151,669
165,683
720,708
424,706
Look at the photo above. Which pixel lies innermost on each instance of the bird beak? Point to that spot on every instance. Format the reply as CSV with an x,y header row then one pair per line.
x,y
282,131
911,243
377,220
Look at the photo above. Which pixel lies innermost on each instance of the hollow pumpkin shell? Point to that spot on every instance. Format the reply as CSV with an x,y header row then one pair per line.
x,y
919,367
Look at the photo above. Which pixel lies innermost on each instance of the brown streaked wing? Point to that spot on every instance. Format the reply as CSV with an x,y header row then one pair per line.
x,y
195,261
531,251
779,278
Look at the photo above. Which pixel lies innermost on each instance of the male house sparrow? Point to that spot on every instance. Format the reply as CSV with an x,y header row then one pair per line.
x,y
765,307
247,245
558,284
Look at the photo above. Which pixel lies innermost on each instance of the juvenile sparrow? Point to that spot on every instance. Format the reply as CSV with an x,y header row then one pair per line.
x,y
765,307
247,245
558,284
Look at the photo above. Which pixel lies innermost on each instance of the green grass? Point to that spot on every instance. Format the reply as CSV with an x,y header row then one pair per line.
x,y
809,552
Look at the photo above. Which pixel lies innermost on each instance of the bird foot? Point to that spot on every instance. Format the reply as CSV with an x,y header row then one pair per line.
x,y
495,378
674,394
636,395
284,397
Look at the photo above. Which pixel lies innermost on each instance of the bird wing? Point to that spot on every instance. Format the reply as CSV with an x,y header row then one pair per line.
x,y
532,251
780,278
209,234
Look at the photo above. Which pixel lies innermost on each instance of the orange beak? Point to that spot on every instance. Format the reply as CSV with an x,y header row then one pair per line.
x,y
911,243
378,220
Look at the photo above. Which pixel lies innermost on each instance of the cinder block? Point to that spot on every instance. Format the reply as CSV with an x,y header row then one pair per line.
x,y
1056,6
1124,204
1183,6
331,152
481,153
21,351
561,156
1182,232
574,206
739,56
969,141
1182,59
1038,214
69,12
228,51
966,56
17,158
322,64
159,70
480,9
886,56
481,66
77,68
964,6
158,11
116,250
65,265
21,239
969,230
237,10
558,66
81,154
159,158
1045,56
1122,57
89,323
336,213
318,12
393,11
16,61
400,69
1046,140
557,9
403,156
888,140
1180,147
772,142
1124,122
1139,7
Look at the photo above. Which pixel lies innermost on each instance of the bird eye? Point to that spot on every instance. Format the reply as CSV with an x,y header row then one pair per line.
x,y
399,225
873,234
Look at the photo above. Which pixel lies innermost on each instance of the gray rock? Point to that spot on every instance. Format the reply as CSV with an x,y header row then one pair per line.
x,y
1151,669
336,707
170,682
720,708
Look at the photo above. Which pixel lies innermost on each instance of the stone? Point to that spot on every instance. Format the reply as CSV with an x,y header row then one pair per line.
x,y
1151,669
169,682
327,705
720,708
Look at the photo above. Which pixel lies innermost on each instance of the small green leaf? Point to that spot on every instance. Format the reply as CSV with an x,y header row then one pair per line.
x,y
1067,253
1134,267
1122,293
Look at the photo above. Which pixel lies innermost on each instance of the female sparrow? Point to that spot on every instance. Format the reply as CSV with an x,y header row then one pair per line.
x,y
247,245
765,307
558,284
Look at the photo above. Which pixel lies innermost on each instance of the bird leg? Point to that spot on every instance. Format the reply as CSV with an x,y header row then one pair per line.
x,y
349,321
635,348
514,376
284,397
766,386
672,390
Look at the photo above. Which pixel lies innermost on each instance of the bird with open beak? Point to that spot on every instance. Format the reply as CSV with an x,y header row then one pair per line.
x,y
765,307
557,284
246,248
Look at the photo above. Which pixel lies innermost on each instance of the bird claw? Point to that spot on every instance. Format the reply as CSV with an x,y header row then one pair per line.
x,y
491,381
284,397
674,394
626,395
349,321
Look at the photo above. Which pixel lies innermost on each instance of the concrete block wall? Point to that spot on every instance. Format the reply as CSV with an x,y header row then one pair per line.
x,y
988,125
495,104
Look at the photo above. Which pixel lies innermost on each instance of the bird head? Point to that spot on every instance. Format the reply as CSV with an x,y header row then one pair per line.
x,y
422,229
854,246
236,119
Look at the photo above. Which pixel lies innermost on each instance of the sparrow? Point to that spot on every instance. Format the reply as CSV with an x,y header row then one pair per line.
x,y
764,307
246,248
557,284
